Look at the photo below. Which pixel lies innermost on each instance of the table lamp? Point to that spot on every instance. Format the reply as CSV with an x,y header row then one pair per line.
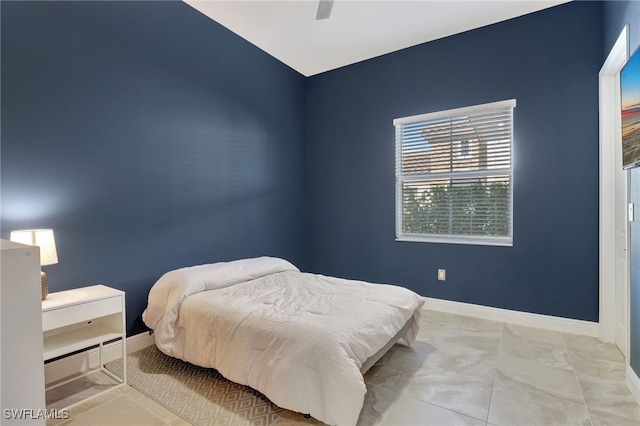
x,y
42,238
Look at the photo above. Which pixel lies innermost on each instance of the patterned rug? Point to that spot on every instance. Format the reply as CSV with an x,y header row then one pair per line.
x,y
199,395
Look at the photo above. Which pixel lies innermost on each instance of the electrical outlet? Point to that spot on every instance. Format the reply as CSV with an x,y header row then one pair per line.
x,y
442,274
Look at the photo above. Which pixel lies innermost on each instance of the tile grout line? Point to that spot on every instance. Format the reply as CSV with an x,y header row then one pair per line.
x,y
454,372
386,413
584,401
495,371
154,414
572,369
178,416
486,420
539,392
91,409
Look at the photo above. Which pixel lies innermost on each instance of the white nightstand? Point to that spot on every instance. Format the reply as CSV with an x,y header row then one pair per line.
x,y
77,319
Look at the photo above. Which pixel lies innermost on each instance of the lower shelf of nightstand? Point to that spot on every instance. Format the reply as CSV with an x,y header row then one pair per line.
x,y
75,340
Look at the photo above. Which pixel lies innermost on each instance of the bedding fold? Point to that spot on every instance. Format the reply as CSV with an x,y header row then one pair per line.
x,y
167,294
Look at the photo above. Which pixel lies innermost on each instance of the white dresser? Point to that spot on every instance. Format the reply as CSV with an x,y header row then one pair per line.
x,y
21,367
78,319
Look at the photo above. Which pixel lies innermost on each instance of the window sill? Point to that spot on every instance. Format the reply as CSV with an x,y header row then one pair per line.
x,y
458,240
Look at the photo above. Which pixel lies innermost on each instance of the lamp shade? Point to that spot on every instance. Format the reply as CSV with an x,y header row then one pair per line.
x,y
42,238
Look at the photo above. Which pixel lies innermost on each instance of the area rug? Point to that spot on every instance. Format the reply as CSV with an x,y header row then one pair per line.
x,y
199,395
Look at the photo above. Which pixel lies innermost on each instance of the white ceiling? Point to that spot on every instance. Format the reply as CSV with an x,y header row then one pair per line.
x,y
357,29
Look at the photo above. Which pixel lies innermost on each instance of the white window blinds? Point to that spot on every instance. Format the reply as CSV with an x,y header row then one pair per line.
x,y
454,175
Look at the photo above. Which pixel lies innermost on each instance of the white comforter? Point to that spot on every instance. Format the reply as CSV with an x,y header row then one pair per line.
x,y
298,338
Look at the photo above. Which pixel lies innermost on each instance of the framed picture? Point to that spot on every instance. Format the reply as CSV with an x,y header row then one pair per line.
x,y
630,97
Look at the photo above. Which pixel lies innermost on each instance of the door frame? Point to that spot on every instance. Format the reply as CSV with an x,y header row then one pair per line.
x,y
609,136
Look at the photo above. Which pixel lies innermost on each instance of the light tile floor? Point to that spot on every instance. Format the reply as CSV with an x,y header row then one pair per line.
x,y
460,371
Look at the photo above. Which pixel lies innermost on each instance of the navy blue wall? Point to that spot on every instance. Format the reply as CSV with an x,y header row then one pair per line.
x,y
549,62
149,138
617,14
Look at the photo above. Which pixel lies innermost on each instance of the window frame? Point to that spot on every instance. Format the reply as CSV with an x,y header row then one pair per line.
x,y
400,178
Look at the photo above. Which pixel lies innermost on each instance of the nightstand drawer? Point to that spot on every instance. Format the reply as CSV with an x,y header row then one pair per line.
x,y
73,314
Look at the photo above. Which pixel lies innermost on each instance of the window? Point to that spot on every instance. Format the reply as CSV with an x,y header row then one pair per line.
x,y
454,175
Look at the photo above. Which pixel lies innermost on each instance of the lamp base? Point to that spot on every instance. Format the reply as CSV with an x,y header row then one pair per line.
x,y
45,285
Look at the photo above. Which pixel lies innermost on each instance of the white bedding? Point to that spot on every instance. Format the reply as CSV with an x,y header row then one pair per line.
x,y
298,338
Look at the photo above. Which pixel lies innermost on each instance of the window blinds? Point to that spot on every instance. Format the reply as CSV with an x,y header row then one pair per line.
x,y
454,175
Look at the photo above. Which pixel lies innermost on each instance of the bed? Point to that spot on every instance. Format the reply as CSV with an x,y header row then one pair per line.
x,y
303,340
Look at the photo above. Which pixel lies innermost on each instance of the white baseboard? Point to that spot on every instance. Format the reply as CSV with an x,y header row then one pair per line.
x,y
547,322
633,382
75,364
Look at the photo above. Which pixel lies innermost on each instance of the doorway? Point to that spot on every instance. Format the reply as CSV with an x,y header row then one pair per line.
x,y
614,219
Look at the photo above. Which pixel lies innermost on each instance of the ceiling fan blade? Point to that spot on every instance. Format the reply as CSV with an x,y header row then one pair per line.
x,y
324,9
